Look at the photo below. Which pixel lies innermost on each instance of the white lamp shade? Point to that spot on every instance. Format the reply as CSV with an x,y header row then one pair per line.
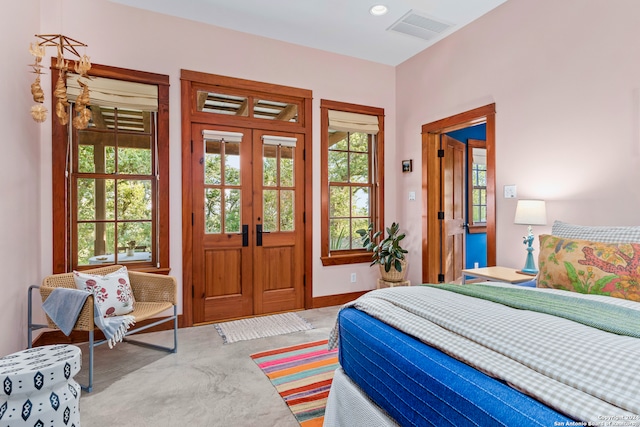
x,y
531,212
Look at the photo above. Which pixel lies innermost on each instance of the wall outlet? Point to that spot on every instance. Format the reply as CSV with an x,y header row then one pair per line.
x,y
412,195
353,277
510,192
476,265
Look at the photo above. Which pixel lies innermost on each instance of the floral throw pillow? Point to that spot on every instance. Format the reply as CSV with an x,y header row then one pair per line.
x,y
611,269
112,292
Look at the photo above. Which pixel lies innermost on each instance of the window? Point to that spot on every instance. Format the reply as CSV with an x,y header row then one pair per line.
x,y
110,180
352,184
477,203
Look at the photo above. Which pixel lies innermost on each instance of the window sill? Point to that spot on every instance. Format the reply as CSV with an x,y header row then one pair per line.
x,y
477,229
346,259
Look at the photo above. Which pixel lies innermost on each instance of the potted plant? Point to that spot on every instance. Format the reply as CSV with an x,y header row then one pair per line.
x,y
386,251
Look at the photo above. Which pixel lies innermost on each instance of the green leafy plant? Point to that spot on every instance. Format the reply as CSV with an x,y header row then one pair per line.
x,y
386,251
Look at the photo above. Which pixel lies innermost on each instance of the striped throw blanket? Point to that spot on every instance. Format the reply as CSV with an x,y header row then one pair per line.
x,y
585,372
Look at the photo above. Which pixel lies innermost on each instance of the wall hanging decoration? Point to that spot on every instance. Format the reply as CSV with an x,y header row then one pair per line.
x,y
82,66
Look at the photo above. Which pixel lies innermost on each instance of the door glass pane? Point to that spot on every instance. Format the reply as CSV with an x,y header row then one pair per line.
x,y
339,202
270,210
213,162
274,110
134,154
232,163
212,211
269,165
360,202
134,199
220,103
286,210
96,199
232,211
339,234
286,167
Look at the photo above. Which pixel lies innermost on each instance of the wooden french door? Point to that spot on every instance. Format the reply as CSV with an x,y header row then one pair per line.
x,y
248,237
453,208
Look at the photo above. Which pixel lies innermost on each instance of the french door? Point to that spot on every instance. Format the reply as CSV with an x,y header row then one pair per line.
x,y
248,236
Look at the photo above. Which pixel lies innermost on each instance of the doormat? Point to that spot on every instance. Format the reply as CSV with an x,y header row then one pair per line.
x,y
302,374
261,327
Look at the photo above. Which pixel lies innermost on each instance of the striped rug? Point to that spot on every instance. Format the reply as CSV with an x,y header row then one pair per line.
x,y
302,374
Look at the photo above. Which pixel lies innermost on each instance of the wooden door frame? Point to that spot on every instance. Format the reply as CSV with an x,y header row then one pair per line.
x,y
188,81
431,184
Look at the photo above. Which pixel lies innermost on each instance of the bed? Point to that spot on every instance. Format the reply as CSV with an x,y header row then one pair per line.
x,y
563,353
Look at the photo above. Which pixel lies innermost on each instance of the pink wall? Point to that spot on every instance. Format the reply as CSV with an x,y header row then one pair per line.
x,y
565,78
19,174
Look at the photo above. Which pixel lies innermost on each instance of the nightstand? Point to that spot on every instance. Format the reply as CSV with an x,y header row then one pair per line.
x,y
497,274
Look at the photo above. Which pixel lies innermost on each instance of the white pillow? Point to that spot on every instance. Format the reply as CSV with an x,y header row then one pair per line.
x,y
112,293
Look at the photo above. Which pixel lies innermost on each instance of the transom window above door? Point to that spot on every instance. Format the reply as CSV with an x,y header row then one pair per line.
x,y
267,107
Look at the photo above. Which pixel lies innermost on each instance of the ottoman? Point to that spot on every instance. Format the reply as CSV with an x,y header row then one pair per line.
x,y
37,388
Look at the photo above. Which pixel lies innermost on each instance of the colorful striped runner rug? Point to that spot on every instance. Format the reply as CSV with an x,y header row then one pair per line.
x,y
302,374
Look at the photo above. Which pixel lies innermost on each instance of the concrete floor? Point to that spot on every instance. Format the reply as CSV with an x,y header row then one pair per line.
x,y
205,383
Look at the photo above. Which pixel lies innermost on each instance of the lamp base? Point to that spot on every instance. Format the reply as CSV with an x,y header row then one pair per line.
x,y
530,265
531,272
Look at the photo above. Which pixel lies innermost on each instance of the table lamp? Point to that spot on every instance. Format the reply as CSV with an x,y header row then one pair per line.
x,y
530,212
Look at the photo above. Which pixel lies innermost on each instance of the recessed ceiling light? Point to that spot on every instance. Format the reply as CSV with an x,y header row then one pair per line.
x,y
378,10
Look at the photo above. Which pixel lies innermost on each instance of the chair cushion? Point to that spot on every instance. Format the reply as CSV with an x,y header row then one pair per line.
x,y
112,292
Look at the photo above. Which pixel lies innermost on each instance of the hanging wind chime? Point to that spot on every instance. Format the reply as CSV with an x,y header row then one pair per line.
x,y
82,67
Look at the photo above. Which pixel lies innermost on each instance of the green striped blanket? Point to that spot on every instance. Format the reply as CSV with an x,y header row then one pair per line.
x,y
606,317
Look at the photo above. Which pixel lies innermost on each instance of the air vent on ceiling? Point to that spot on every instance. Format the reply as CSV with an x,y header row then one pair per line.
x,y
419,25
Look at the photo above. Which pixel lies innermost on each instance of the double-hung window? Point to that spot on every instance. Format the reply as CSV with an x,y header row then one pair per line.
x,y
352,179
477,169
111,191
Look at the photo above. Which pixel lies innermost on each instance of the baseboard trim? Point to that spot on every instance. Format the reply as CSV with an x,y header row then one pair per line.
x,y
55,336
339,299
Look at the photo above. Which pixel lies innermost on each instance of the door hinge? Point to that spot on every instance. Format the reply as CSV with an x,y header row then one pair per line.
x,y
193,291
440,153
304,217
440,215
304,280
192,219
192,146
440,278
304,155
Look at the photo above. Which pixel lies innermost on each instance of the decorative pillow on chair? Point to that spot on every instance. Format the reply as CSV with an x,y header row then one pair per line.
x,y
112,292
590,267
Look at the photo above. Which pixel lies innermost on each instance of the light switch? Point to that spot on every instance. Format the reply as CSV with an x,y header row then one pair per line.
x,y
509,191
412,195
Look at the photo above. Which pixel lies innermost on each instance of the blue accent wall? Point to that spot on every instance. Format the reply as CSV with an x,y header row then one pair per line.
x,y
477,242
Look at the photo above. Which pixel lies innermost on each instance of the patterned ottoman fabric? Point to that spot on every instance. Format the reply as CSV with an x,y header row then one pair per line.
x,y
37,387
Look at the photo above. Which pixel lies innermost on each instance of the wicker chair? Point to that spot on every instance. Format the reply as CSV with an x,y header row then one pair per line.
x,y
153,293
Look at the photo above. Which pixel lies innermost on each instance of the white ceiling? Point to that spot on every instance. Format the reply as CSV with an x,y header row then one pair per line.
x,y
340,26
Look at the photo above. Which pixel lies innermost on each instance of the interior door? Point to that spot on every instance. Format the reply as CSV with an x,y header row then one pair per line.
x,y
453,207
248,239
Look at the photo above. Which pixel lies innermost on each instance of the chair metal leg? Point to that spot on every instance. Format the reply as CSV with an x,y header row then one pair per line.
x,y
88,388
30,325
